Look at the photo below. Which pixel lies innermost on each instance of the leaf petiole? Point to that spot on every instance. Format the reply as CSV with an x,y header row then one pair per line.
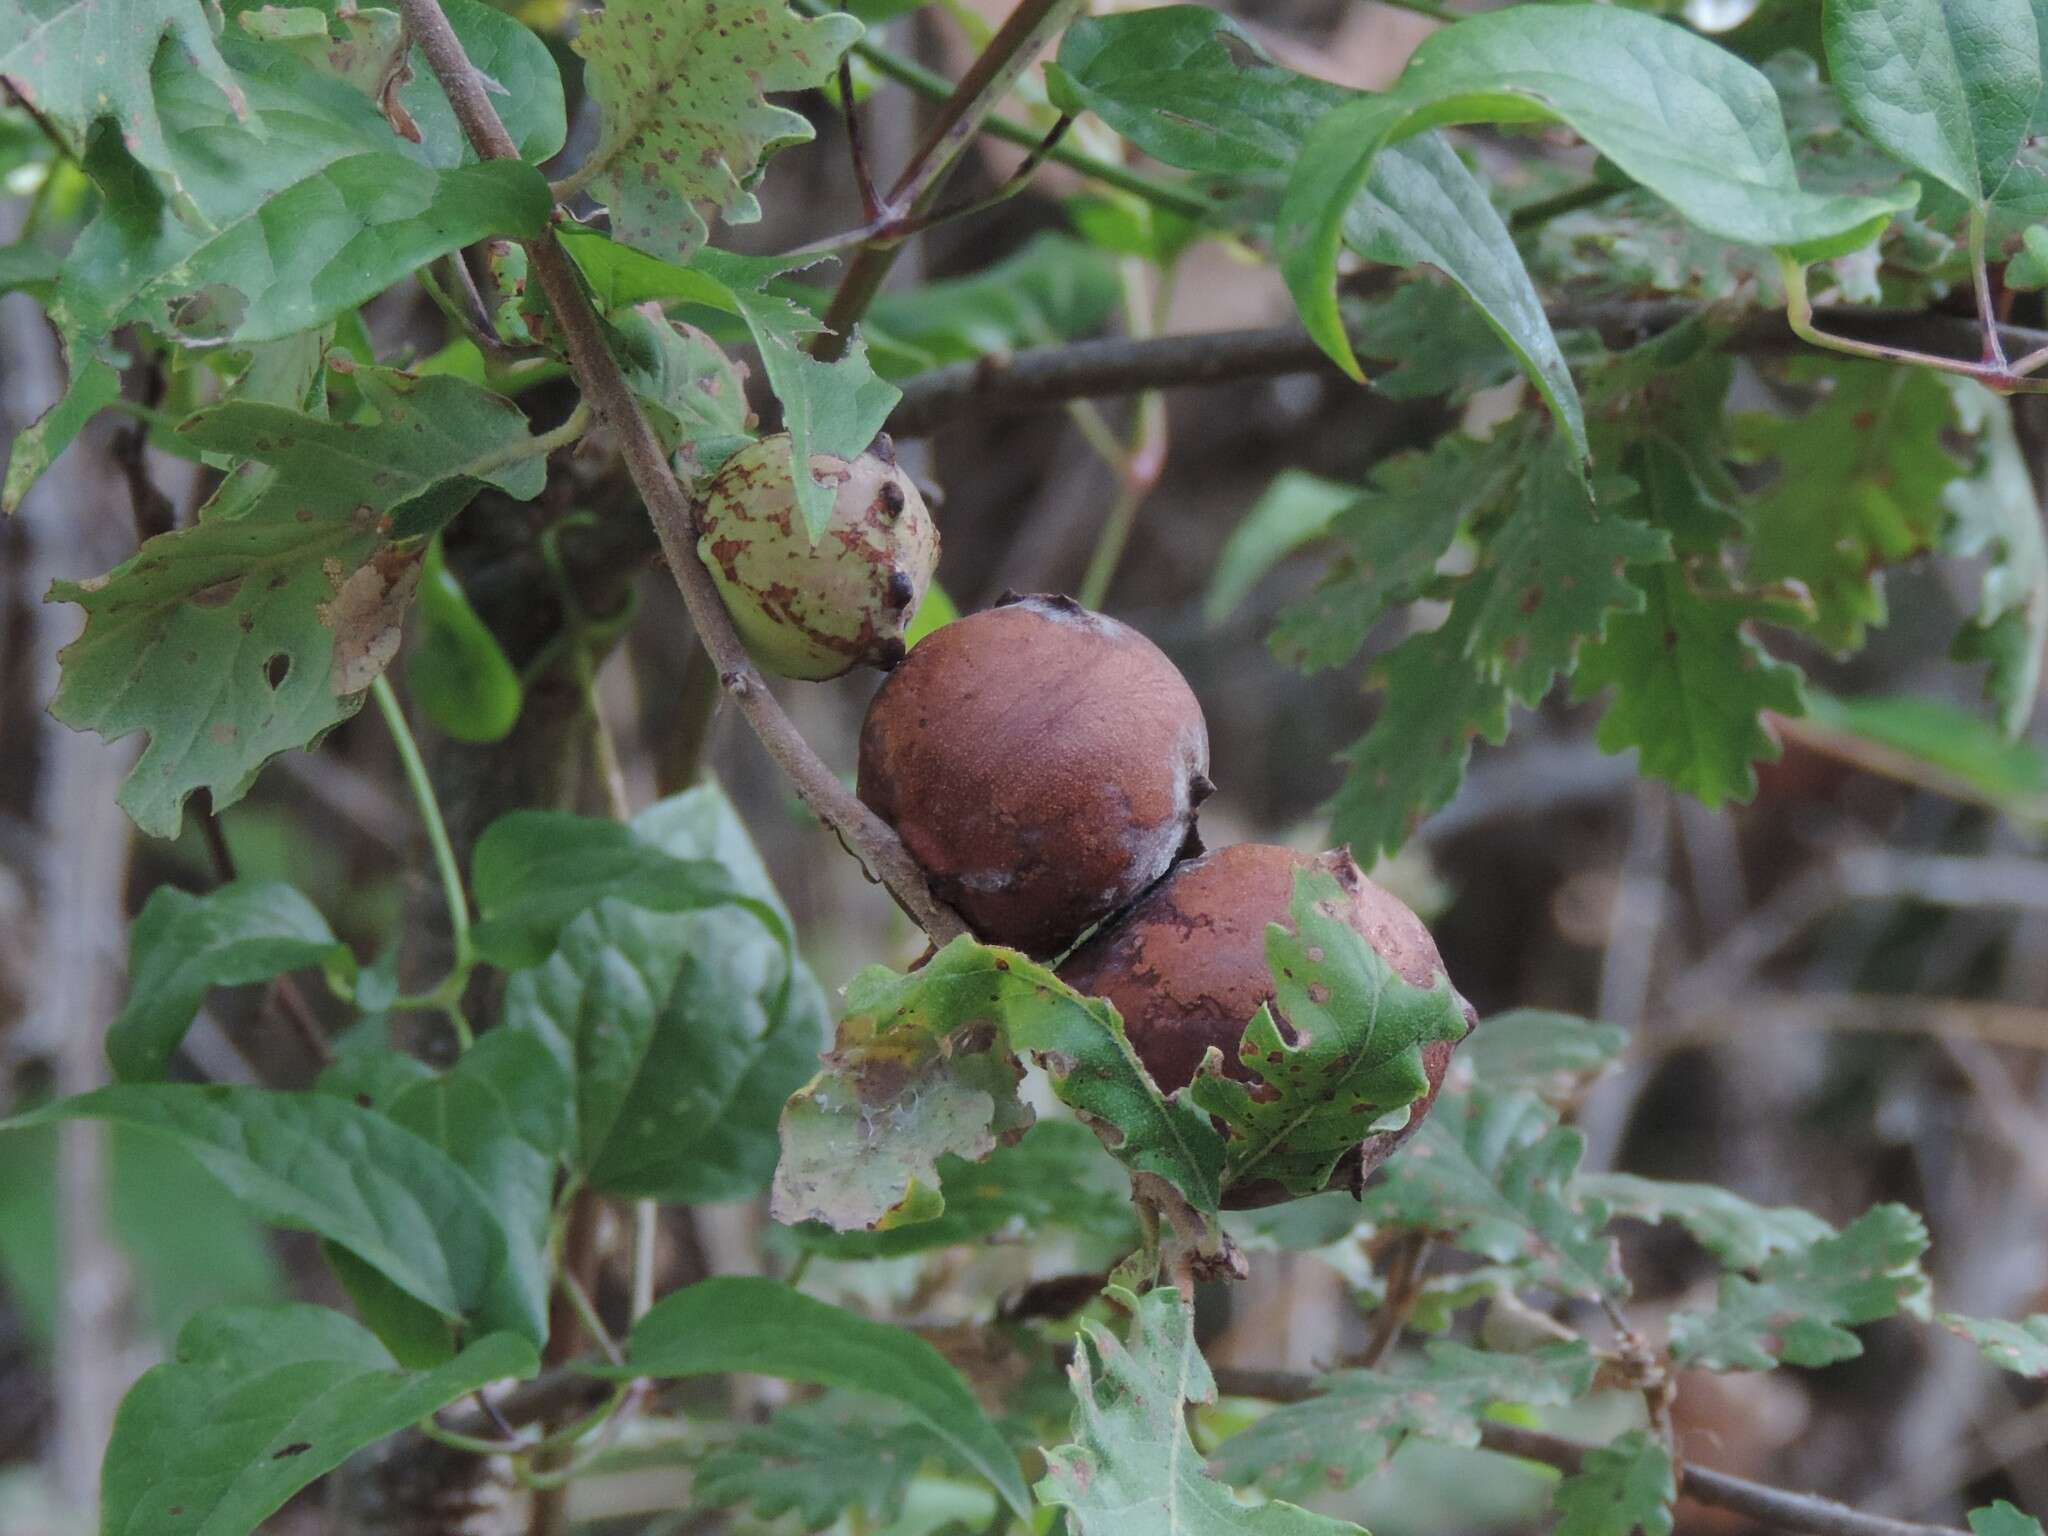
x,y
446,995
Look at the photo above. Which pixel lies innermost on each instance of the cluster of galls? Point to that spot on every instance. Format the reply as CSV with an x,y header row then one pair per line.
x,y
1044,765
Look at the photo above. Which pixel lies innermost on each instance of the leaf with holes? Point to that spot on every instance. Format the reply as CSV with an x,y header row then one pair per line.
x,y
1619,1489
1359,1418
249,634
1350,1063
79,62
1131,1468
307,204
2020,1347
260,1402
924,1065
740,1323
1499,1174
1057,1177
182,945
685,125
1803,1302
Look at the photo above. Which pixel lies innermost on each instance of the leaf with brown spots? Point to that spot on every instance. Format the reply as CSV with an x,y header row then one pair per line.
x,y
924,1066
1351,1061
249,634
686,125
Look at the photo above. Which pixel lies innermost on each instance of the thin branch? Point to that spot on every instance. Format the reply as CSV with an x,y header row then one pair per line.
x,y
605,387
1039,377
934,86
1803,1512
1029,28
566,1386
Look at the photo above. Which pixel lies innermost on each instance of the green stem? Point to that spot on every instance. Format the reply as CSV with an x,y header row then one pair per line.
x,y
1980,281
1992,374
471,1443
1143,463
936,87
1425,8
587,1311
444,857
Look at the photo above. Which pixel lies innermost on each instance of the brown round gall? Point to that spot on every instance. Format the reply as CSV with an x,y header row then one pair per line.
x,y
1186,968
1042,763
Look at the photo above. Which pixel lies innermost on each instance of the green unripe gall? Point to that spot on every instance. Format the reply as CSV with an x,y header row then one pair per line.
x,y
816,610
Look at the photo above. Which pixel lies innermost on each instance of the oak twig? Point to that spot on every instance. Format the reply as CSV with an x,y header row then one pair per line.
x,y
1040,377
668,505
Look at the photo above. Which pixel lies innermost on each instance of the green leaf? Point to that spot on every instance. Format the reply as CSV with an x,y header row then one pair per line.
x,y
1740,1234
1803,1302
1131,1469
1690,683
1671,110
1551,575
1189,87
1994,516
512,57
695,396
1620,1488
182,945
2003,1519
930,1056
1950,742
738,1323
457,672
2020,1347
1052,1178
309,205
1351,1062
1393,535
535,872
685,124
1498,1174
288,595
1054,289
1295,511
1948,86
832,408
1358,1419
95,384
819,1460
1413,759
1534,1050
683,1031
317,1163
1690,680
1860,485
501,1113
259,1403
77,62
